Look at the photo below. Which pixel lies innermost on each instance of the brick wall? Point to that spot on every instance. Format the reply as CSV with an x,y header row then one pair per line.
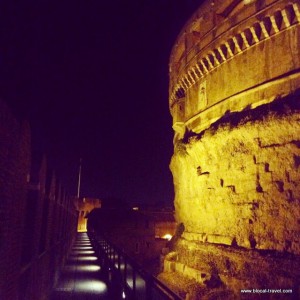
x,y
37,220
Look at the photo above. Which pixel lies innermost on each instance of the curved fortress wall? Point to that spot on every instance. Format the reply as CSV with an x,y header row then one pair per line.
x,y
233,57
234,98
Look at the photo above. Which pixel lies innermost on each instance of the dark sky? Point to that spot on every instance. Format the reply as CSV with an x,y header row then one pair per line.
x,y
91,76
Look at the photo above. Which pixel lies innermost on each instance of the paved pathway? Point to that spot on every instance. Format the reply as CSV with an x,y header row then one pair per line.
x,y
81,277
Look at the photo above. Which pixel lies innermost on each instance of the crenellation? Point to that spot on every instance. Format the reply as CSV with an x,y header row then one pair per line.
x,y
238,44
296,11
230,47
202,62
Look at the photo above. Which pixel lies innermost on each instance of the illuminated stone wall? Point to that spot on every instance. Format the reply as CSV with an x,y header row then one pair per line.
x,y
141,234
234,99
84,206
231,57
243,184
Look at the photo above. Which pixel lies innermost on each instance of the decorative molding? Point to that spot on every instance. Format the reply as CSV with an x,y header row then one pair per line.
x,y
270,25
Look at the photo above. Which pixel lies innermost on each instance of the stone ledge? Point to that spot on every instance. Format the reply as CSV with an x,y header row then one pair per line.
x,y
209,238
260,95
189,289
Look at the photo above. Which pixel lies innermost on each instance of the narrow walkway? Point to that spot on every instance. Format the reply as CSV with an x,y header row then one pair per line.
x,y
81,277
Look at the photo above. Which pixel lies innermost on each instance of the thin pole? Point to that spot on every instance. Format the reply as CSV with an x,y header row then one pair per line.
x,y
79,179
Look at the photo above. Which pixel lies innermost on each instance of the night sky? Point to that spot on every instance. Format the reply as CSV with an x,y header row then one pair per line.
x,y
91,77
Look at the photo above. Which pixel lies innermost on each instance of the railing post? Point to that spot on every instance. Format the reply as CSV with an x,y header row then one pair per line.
x,y
125,271
113,257
148,282
119,261
133,282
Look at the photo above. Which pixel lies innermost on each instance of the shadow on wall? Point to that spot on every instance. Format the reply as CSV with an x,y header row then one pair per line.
x,y
38,219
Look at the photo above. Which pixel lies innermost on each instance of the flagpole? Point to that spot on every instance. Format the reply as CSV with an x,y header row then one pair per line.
x,y
79,178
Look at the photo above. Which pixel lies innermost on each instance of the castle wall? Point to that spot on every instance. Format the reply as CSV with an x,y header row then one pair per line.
x,y
210,82
234,99
14,171
242,183
37,223
84,206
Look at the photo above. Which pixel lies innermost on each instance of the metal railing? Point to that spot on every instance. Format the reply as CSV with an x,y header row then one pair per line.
x,y
127,279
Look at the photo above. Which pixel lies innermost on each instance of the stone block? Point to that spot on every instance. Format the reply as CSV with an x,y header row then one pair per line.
x,y
179,267
266,180
191,272
172,256
169,266
219,239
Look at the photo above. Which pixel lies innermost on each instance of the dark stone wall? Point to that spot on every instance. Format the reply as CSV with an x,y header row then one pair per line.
x,y
37,216
14,168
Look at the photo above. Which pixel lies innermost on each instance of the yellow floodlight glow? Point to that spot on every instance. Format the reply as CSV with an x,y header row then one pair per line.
x,y
167,237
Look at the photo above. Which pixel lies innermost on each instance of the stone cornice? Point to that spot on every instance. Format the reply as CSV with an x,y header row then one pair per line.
x,y
265,24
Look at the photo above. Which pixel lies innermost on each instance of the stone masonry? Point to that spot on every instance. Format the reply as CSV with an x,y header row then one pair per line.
x,y
37,217
234,98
